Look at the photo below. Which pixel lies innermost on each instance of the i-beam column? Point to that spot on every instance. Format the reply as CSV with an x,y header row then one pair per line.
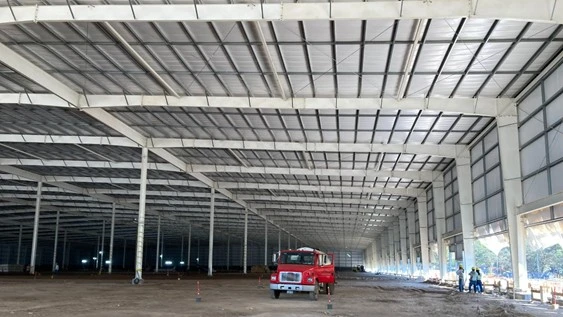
x,y
423,223
35,229
101,255
189,246
228,252
56,242
266,243
412,238
384,251
157,260
397,246
463,168
391,243
245,244
440,216
509,146
111,234
211,228
141,218
403,237
182,250
20,244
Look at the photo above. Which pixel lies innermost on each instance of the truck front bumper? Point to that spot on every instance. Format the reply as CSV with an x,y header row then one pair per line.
x,y
292,287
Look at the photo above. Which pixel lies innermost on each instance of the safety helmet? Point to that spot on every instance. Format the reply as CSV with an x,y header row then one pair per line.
x,y
461,266
473,268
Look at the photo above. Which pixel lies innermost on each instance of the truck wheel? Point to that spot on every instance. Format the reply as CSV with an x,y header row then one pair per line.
x,y
275,294
314,295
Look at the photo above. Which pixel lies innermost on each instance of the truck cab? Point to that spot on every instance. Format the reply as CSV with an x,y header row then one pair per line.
x,y
303,270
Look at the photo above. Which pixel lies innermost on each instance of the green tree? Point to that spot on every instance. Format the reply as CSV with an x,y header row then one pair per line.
x,y
489,262
484,258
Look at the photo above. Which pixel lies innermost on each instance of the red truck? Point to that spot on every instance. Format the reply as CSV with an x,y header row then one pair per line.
x,y
303,270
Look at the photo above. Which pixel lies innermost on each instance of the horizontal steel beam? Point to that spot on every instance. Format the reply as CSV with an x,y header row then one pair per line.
x,y
426,176
317,200
520,10
442,150
413,192
159,144
483,106
325,210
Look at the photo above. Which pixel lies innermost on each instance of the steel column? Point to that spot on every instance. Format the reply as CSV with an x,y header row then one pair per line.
x,y
19,245
391,243
156,265
423,224
228,251
412,238
512,181
182,249
161,249
397,245
211,228
124,252
103,243
35,229
56,242
245,250
141,217
65,258
189,246
403,237
266,243
112,231
98,253
440,216
463,168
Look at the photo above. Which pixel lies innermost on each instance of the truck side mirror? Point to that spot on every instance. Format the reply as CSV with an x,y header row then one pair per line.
x,y
275,258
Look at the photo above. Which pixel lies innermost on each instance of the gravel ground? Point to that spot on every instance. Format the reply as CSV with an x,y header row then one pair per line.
x,y
236,295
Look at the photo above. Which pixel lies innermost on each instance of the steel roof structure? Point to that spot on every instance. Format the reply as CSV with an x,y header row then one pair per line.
x,y
324,118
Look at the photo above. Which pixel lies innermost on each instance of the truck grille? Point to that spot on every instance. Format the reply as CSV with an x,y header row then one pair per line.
x,y
291,277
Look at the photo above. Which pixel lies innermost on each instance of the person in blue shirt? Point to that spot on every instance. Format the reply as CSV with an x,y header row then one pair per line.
x,y
473,280
461,279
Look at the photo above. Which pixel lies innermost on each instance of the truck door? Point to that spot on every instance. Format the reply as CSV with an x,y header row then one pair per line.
x,y
324,269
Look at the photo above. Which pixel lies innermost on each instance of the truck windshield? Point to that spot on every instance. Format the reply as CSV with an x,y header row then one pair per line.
x,y
306,258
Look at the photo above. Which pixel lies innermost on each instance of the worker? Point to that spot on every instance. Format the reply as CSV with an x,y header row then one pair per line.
x,y
460,277
473,280
479,285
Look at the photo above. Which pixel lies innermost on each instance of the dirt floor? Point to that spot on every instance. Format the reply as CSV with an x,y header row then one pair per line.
x,y
233,295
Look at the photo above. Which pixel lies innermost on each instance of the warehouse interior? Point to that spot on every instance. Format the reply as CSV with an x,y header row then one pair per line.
x,y
409,137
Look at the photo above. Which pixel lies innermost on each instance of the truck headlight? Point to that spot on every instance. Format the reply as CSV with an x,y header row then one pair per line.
x,y
309,280
272,278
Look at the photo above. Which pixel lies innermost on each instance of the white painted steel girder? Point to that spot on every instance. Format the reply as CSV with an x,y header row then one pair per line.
x,y
483,106
383,202
427,176
324,209
545,11
442,150
342,189
338,218
158,146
